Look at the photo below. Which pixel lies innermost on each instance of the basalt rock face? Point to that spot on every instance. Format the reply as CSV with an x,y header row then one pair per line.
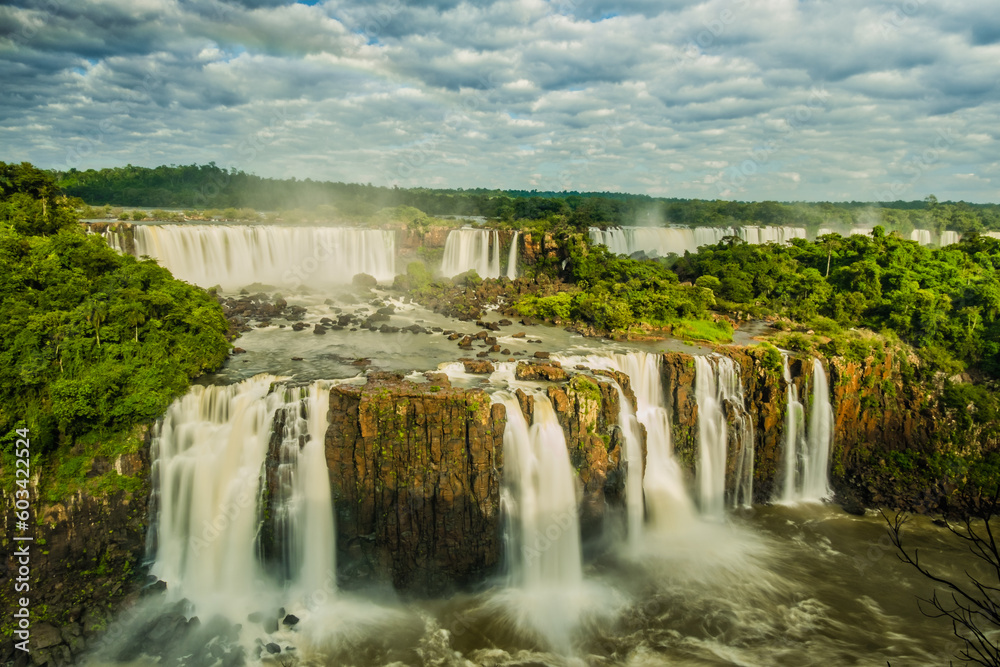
x,y
85,564
415,471
587,409
879,414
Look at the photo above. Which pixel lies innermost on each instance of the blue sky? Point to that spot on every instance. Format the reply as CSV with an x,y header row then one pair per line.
x,y
733,99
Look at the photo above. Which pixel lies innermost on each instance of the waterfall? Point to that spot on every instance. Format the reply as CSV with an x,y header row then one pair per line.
x,y
667,503
921,236
210,454
476,249
304,506
717,387
634,507
543,543
806,455
949,237
113,238
664,240
794,436
540,492
512,258
234,256
815,484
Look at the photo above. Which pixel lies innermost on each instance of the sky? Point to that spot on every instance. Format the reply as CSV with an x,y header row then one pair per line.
x,y
812,100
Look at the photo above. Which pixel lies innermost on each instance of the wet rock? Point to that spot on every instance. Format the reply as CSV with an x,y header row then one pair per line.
x,y
483,354
290,619
385,328
479,367
505,323
299,326
270,624
239,350
505,352
271,647
541,355
454,336
364,281
296,358
466,342
155,588
494,348
319,329
519,334
413,468
525,371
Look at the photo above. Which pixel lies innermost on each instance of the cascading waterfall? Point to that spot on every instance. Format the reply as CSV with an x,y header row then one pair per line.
x,y
668,505
304,512
512,258
806,455
949,237
816,483
715,387
664,240
794,437
210,453
234,256
539,498
476,249
634,506
921,236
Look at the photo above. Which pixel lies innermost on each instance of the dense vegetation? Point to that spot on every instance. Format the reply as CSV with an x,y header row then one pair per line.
x,y
612,292
91,342
943,301
201,187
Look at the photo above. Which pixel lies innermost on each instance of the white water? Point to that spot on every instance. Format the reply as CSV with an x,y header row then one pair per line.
x,y
806,452
209,457
816,482
668,505
634,506
476,249
922,236
949,237
304,512
543,545
792,450
717,386
664,240
512,258
234,256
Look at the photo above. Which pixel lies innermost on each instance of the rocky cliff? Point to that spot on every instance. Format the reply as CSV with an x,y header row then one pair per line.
x,y
895,443
85,560
416,472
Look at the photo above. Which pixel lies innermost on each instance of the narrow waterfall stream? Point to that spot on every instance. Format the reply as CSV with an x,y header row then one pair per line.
x,y
512,258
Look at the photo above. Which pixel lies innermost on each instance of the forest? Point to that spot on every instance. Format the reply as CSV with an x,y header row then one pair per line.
x,y
201,187
92,342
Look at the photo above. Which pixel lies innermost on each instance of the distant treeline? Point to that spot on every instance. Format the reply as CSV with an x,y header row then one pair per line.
x,y
212,187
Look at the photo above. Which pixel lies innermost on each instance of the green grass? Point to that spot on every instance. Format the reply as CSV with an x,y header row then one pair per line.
x,y
704,330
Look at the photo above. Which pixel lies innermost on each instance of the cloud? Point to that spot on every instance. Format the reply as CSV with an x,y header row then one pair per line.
x,y
775,99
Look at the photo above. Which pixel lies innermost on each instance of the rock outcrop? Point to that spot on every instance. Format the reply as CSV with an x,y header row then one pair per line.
x,y
415,470
887,424
85,562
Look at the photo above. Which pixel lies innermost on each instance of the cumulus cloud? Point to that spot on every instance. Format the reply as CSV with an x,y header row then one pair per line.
x,y
774,99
